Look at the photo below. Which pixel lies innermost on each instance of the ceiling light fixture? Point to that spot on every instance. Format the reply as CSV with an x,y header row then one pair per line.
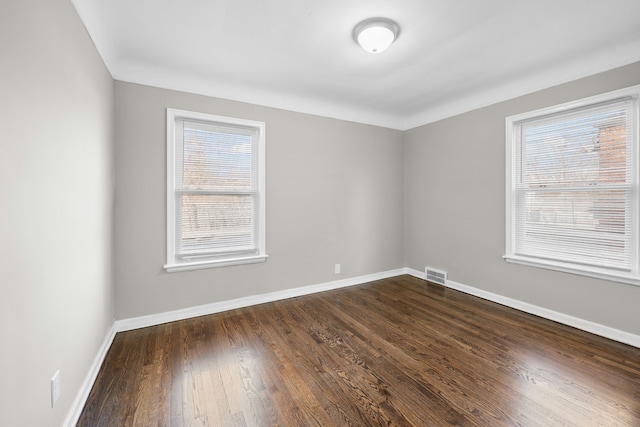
x,y
376,34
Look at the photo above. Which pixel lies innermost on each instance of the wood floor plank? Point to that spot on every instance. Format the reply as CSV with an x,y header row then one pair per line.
x,y
395,352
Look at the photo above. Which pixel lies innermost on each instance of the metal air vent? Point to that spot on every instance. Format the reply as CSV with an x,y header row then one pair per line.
x,y
436,276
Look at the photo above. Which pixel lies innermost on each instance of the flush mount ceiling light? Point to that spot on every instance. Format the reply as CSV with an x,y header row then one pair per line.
x,y
376,34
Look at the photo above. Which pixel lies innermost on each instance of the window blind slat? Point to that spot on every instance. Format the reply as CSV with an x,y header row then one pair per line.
x,y
217,158
211,223
573,187
216,190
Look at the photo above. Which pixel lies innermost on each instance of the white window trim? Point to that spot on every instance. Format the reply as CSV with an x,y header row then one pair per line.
x,y
175,264
632,277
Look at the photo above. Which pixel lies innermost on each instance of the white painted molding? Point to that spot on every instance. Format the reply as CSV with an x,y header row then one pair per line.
x,y
156,319
83,394
415,273
217,307
201,310
150,75
576,322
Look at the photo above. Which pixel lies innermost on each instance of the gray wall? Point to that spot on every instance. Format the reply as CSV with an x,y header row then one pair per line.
x,y
334,195
56,220
455,212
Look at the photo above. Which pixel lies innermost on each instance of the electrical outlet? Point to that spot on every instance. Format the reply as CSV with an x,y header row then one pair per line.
x,y
337,268
55,388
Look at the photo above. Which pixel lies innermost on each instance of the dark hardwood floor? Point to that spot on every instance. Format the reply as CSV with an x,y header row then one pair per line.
x,y
398,351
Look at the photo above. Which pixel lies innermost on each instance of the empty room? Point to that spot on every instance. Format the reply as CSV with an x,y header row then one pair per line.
x,y
320,213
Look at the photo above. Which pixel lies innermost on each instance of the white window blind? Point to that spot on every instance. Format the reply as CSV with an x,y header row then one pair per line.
x,y
216,196
573,186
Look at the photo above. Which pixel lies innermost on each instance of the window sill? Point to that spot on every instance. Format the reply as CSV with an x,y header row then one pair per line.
x,y
598,273
198,265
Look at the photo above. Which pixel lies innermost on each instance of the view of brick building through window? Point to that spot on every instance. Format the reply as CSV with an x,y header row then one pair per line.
x,y
612,150
575,188
611,147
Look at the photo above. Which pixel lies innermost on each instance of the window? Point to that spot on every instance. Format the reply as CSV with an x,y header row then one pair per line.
x,y
572,187
215,191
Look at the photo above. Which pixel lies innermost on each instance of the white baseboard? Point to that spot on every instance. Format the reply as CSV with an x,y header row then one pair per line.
x,y
576,322
83,394
156,319
201,310
217,307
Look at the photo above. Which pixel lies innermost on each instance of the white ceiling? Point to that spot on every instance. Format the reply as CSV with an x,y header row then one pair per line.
x,y
452,55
